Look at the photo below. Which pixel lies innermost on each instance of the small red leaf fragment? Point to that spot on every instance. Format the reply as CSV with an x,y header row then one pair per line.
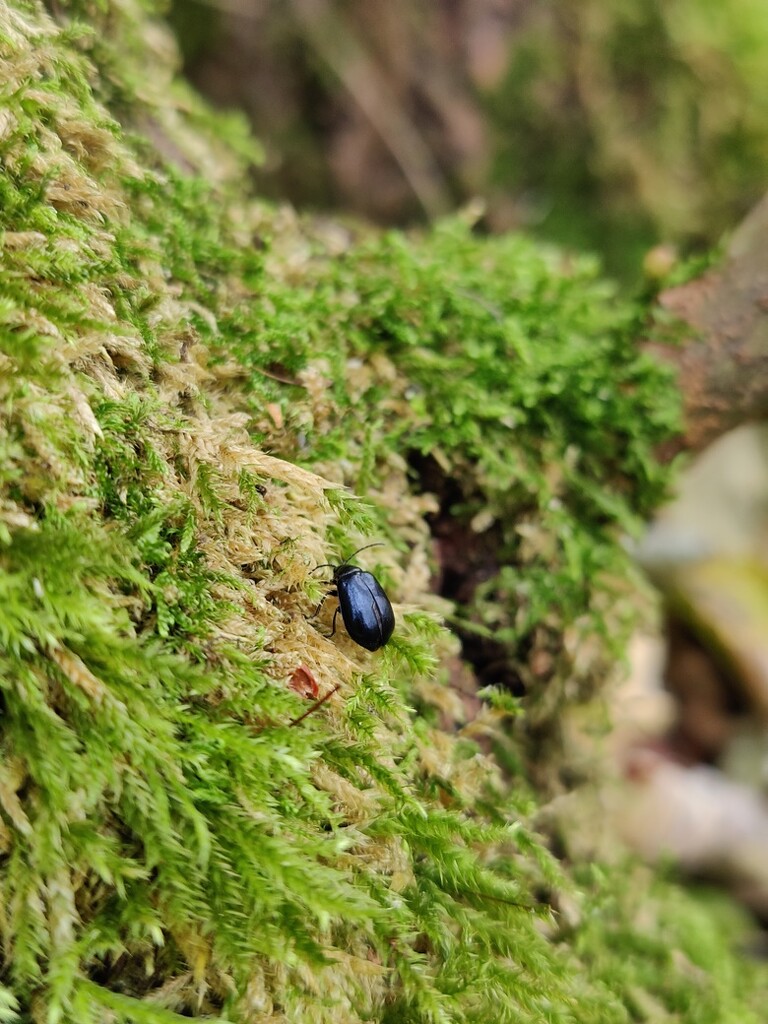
x,y
304,683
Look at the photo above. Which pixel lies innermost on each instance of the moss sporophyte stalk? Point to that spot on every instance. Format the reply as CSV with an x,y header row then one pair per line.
x,y
172,845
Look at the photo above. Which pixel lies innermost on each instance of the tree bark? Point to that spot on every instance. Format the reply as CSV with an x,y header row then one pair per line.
x,y
722,364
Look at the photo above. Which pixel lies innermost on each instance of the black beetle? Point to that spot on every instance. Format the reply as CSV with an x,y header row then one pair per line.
x,y
365,608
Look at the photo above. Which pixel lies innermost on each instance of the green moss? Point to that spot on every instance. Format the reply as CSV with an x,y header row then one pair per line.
x,y
518,374
668,951
178,841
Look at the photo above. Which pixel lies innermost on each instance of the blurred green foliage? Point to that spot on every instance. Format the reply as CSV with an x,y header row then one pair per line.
x,y
632,123
604,127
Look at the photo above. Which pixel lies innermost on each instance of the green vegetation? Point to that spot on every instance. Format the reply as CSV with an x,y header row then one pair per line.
x,y
607,127
171,845
622,125
509,377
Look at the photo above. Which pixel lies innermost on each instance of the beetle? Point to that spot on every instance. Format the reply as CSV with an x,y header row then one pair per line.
x,y
365,608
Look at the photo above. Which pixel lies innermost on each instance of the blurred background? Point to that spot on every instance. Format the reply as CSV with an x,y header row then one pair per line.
x,y
610,127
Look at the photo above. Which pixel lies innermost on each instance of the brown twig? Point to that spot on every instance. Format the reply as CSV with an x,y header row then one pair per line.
x,y
316,705
722,363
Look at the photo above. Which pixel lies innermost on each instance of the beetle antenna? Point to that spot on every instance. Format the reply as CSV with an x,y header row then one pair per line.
x,y
376,544
332,565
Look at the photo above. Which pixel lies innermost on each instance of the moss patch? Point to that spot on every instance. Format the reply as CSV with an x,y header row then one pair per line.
x,y
171,845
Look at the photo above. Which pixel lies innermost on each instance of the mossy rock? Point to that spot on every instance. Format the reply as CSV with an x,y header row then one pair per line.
x,y
192,385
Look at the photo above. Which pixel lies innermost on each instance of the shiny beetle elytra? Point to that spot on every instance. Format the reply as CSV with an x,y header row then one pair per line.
x,y
364,607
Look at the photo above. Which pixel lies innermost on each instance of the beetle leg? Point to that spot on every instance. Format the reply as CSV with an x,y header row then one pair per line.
x,y
316,612
333,624
331,593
